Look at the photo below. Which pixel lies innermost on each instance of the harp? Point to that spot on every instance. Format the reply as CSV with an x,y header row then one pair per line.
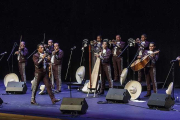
x,y
92,84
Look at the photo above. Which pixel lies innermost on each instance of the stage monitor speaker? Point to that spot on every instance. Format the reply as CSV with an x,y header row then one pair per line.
x,y
16,87
118,95
161,101
70,105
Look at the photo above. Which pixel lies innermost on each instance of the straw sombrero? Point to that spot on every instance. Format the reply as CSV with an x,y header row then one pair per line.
x,y
123,75
169,90
134,88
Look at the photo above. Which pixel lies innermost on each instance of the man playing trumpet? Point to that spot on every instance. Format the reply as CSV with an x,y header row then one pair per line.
x,y
41,73
96,48
56,61
117,46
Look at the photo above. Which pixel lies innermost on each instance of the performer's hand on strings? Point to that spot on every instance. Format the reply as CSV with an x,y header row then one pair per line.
x,y
152,55
139,56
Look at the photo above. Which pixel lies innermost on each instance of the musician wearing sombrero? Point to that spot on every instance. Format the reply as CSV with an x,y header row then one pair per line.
x,y
105,66
117,47
22,60
143,45
150,69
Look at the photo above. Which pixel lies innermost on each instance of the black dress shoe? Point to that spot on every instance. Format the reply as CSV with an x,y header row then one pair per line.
x,y
33,102
56,100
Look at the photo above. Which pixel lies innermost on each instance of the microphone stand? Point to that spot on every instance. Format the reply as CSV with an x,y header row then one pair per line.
x,y
127,47
69,67
171,68
124,50
31,54
133,59
82,56
173,78
14,46
1,57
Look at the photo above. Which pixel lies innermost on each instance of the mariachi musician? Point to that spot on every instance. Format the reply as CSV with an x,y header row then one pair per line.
x,y
150,69
40,60
105,66
96,48
143,45
56,61
22,60
117,47
49,48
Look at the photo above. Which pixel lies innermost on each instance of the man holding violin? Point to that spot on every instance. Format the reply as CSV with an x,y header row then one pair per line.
x,y
117,46
22,59
56,61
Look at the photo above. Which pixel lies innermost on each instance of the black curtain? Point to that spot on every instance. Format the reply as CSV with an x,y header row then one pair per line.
x,y
69,22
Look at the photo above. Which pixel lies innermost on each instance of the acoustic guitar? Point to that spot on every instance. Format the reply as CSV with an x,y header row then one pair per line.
x,y
141,63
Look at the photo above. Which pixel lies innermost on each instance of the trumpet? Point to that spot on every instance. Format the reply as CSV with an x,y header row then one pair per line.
x,y
93,42
112,41
56,50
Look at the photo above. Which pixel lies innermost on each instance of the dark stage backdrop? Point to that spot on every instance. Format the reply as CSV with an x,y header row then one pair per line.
x,y
69,22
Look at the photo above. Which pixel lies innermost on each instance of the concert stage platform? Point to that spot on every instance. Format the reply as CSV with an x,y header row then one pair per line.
x,y
20,104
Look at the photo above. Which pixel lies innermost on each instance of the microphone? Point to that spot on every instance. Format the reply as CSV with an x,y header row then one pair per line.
x,y
73,48
173,61
3,53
